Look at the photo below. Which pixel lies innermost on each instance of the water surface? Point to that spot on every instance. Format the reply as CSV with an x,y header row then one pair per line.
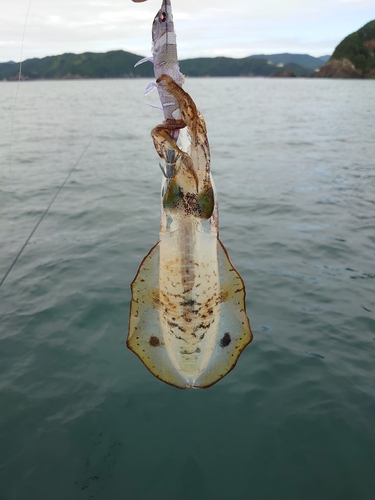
x,y
80,416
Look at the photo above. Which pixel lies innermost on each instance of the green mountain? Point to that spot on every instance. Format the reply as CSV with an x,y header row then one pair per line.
x,y
226,66
303,60
354,57
120,64
114,64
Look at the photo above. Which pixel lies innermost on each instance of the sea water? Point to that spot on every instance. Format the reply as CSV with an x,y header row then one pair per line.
x,y
80,416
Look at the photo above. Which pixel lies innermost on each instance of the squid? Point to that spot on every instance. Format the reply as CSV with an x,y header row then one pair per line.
x,y
188,321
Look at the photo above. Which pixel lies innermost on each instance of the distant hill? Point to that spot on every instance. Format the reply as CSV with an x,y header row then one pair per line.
x,y
303,60
226,66
354,57
120,64
113,64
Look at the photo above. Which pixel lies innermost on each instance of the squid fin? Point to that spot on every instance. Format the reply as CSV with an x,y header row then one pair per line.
x,y
145,337
234,332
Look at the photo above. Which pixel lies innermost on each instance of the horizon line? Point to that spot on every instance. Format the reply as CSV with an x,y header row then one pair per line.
x,y
185,59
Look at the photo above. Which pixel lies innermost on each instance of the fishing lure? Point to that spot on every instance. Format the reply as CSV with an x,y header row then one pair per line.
x,y
188,321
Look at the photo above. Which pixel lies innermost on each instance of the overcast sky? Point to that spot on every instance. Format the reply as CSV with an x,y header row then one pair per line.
x,y
234,28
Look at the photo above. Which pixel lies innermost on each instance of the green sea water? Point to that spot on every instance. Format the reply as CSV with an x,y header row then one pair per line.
x,y
80,416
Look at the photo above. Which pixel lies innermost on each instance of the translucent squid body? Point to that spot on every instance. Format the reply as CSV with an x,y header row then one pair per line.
x,y
188,321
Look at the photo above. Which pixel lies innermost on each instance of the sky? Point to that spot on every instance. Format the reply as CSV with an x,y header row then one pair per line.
x,y
209,28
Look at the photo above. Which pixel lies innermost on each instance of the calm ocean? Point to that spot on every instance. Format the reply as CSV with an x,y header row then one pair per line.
x,y
80,416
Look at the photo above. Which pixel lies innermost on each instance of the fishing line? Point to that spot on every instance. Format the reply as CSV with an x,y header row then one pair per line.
x,y
45,212
18,85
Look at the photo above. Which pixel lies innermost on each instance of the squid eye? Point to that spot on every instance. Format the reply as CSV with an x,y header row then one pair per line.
x,y
163,17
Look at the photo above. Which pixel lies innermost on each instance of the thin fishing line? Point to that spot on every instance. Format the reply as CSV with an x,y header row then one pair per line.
x,y
18,85
45,213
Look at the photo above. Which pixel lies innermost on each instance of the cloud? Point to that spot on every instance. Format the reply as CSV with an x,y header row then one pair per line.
x,y
204,28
